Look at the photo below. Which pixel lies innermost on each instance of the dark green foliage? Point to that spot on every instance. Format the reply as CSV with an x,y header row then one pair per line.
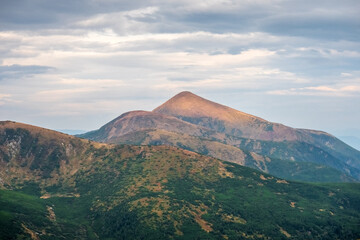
x,y
17,208
266,208
306,172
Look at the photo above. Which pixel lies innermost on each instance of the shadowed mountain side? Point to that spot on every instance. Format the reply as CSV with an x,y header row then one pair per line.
x,y
288,169
100,191
197,110
334,146
28,152
293,151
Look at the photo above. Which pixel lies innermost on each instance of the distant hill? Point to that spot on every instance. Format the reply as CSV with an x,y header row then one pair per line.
x,y
189,114
57,186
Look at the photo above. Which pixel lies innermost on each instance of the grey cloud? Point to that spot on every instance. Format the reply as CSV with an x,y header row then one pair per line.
x,y
19,71
314,26
320,19
29,14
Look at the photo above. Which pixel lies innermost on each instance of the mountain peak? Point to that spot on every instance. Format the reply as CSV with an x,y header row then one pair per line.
x,y
188,104
185,93
197,110
184,97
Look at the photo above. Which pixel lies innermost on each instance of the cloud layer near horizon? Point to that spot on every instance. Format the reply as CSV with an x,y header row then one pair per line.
x,y
78,64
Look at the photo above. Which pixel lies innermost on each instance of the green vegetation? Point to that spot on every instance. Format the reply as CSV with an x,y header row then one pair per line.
x,y
159,192
24,216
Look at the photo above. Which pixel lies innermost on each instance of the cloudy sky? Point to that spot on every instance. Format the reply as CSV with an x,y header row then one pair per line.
x,y
77,64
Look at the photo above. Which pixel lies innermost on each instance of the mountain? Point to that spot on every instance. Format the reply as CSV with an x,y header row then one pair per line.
x,y
148,128
192,108
187,115
56,186
197,110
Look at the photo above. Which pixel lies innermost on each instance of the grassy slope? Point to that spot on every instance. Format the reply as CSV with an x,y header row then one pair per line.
x,y
159,192
162,192
25,215
184,195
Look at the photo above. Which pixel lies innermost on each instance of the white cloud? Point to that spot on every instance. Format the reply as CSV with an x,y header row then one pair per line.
x,y
4,96
8,99
334,91
328,53
345,74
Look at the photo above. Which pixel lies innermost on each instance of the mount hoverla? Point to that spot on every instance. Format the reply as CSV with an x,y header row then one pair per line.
x,y
178,172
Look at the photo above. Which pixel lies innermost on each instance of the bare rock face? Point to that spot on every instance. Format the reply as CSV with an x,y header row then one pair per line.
x,y
192,108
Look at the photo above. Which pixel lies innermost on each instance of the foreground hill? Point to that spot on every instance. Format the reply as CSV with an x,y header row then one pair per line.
x,y
56,186
194,123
